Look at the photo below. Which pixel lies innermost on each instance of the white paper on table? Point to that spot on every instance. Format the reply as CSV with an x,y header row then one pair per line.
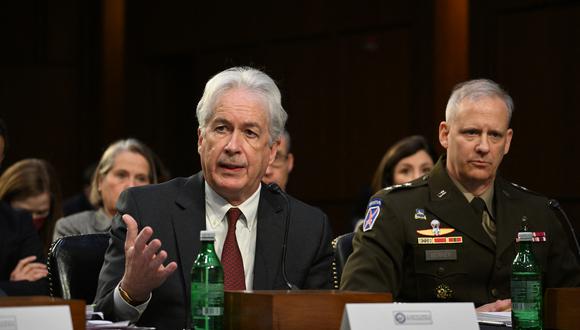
x,y
500,318
53,317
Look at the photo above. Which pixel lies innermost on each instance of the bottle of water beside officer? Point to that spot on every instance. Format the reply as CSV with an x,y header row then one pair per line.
x,y
207,286
526,284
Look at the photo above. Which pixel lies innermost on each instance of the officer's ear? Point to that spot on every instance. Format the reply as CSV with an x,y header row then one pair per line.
x,y
508,141
444,134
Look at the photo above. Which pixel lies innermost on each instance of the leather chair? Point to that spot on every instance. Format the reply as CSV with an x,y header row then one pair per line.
x,y
342,246
74,264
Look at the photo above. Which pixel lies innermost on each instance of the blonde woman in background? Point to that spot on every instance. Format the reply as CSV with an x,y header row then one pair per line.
x,y
125,163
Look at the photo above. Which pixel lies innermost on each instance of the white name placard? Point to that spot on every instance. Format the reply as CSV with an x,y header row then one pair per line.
x,y
36,317
427,316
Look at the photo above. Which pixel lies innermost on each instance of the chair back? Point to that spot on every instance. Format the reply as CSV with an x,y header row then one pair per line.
x,y
74,264
342,246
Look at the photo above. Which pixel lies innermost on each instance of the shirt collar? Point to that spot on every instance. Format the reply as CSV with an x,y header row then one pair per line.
x,y
487,196
218,206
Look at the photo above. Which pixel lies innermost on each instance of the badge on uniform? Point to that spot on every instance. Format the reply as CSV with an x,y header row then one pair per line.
x,y
373,210
420,214
435,230
539,236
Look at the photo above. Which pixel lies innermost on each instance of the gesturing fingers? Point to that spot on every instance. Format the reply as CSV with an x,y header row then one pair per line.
x,y
140,243
131,230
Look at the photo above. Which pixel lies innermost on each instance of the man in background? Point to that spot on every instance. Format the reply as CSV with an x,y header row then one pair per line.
x,y
282,165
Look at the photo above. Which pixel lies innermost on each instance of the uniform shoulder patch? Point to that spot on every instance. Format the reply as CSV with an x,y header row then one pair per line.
x,y
373,210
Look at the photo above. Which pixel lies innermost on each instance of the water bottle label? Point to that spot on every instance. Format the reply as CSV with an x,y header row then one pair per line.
x,y
212,311
525,292
523,306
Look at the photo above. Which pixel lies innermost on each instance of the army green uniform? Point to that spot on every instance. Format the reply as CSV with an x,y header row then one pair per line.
x,y
461,265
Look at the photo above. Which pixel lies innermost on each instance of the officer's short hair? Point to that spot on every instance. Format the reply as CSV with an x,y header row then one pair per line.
x,y
473,90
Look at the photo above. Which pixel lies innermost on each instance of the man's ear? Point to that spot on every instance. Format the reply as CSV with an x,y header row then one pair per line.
x,y
199,140
444,134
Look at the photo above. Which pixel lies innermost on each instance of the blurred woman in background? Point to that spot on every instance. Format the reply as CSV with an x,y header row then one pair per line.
x,y
405,161
31,185
125,163
22,268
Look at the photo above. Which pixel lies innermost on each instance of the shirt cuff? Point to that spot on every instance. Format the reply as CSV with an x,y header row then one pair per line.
x,y
124,310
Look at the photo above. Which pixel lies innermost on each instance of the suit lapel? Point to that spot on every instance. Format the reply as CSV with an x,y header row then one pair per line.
x,y
188,219
269,239
451,207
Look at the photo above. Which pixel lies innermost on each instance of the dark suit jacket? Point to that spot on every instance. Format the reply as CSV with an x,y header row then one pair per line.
x,y
18,239
176,212
393,256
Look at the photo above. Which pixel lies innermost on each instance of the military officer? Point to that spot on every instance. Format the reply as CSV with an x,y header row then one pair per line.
x,y
449,236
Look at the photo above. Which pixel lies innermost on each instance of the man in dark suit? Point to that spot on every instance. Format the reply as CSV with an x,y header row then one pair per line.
x,y
240,120
450,235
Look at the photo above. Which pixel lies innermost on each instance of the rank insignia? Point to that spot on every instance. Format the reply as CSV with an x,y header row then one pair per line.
x,y
441,193
440,240
420,214
443,292
373,210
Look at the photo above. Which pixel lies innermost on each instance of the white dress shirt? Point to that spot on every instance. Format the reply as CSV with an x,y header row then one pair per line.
x,y
246,228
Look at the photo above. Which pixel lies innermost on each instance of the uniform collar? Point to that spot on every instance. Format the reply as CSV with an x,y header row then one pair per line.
x,y
487,196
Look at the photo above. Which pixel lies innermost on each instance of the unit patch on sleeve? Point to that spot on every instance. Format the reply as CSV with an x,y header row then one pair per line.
x,y
373,210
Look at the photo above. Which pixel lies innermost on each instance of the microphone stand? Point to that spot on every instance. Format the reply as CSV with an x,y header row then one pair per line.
x,y
554,204
278,190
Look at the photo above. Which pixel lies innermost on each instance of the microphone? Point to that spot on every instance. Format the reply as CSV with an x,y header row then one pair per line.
x,y
274,187
554,204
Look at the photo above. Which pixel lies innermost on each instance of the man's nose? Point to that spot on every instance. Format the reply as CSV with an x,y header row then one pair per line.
x,y
233,144
268,172
483,145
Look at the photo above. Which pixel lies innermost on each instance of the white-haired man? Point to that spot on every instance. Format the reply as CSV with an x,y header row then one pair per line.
x,y
240,120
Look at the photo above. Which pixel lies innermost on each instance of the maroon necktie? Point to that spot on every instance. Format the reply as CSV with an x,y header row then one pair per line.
x,y
234,278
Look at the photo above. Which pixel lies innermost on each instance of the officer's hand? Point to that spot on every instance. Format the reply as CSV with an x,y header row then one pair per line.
x,y
504,305
144,269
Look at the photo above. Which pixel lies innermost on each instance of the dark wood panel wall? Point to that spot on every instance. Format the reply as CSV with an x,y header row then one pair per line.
x,y
355,78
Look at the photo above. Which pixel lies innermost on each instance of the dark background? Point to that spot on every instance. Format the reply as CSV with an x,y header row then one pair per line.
x,y
355,77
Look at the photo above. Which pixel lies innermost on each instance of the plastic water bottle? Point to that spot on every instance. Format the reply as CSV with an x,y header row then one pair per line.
x,y
526,284
207,286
